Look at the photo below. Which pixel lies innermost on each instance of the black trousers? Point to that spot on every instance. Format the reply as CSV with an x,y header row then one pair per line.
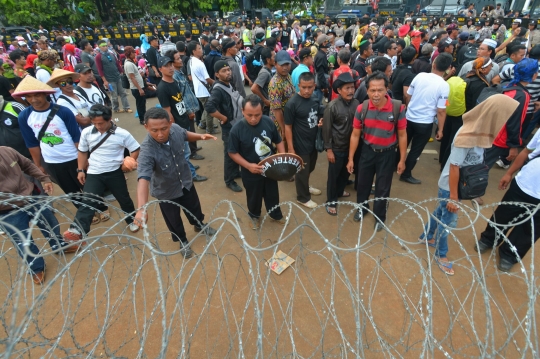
x,y
257,189
140,103
192,209
302,177
96,184
192,145
65,176
337,177
380,165
451,127
418,135
231,169
198,114
493,153
522,235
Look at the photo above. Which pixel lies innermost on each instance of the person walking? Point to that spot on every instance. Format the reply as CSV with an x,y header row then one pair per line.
x,y
136,82
109,69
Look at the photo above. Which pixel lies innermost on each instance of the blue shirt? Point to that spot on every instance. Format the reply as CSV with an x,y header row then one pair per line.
x,y
300,69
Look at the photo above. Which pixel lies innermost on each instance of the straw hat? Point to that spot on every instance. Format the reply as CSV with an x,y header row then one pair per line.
x,y
59,74
30,85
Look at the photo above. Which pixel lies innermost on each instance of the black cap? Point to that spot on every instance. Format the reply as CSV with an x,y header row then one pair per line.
x,y
220,64
164,60
306,52
152,38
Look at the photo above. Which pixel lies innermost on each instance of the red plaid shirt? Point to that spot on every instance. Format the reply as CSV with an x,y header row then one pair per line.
x,y
342,69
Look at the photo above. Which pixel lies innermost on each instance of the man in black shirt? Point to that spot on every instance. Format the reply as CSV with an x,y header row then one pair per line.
x,y
286,36
171,100
251,141
321,67
152,56
403,75
303,115
366,50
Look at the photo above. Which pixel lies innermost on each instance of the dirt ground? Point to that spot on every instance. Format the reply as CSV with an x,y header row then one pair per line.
x,y
350,293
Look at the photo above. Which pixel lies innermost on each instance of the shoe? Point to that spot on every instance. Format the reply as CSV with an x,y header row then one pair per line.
x,y
2,233
133,228
505,265
308,204
410,180
198,148
501,164
109,198
201,126
430,139
71,249
359,215
72,235
196,167
120,111
196,157
233,186
39,277
481,247
186,250
199,178
255,222
205,229
128,110
216,126
214,131
282,220
478,200
379,226
314,191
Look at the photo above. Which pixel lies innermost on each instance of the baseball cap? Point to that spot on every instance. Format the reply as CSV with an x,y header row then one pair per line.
x,y
283,57
305,52
464,35
321,39
472,35
22,43
427,49
340,43
81,68
432,39
164,60
152,38
419,19
416,33
220,64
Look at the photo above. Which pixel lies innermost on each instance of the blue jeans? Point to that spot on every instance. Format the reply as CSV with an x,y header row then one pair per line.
x,y
17,225
319,94
187,153
447,218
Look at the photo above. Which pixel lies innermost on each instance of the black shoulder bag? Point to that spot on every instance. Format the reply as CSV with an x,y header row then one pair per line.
x,y
50,117
473,180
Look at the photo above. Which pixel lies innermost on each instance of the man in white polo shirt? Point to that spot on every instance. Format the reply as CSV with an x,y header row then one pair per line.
x,y
101,150
429,95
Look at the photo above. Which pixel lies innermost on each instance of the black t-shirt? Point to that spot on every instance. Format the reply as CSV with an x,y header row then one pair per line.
x,y
360,67
169,95
402,76
244,140
286,37
303,115
8,84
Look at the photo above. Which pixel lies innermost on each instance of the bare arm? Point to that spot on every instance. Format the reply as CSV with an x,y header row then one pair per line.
x,y
441,117
406,96
278,113
256,89
222,118
402,140
135,154
289,137
251,167
453,181
35,152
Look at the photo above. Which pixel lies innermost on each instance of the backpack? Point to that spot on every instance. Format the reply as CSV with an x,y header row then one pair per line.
x,y
396,107
254,62
456,97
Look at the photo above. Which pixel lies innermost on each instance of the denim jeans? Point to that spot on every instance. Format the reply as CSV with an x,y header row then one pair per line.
x,y
18,220
449,220
187,153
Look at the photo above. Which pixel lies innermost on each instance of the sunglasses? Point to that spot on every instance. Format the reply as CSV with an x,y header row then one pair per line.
x,y
95,113
65,83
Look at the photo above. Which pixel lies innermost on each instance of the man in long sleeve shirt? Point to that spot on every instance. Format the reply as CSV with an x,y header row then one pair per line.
x,y
321,67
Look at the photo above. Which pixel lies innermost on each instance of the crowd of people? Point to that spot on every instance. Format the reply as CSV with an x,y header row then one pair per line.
x,y
362,94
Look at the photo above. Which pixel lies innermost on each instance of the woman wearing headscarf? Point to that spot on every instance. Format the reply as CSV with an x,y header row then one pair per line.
x,y
480,126
476,81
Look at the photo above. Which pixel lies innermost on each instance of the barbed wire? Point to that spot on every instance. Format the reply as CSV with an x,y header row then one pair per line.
x,y
352,292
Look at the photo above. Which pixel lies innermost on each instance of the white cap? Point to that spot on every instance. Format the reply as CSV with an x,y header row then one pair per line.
x,y
22,43
490,43
419,19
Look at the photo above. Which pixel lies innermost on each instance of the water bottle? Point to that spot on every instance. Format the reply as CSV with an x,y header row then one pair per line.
x,y
110,88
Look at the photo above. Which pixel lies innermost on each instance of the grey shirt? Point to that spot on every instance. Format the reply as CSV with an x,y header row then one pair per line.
x,y
263,80
468,67
87,58
165,166
236,76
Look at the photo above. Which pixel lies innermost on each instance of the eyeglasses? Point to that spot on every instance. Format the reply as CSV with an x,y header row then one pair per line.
x,y
65,83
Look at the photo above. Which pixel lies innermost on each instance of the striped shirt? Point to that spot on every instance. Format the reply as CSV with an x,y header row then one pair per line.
x,y
379,126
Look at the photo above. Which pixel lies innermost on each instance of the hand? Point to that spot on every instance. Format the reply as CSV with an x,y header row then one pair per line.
x,y
157,73
439,135
140,219
505,181
400,167
513,154
207,136
536,106
291,150
255,168
452,71
105,84
350,166
81,176
451,207
48,188
191,116
266,103
330,156
141,92
223,121
320,122
42,169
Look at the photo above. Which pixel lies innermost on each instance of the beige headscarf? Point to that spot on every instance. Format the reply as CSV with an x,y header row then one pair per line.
x,y
482,124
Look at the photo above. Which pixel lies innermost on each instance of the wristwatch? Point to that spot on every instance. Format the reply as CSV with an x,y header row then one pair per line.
x,y
79,171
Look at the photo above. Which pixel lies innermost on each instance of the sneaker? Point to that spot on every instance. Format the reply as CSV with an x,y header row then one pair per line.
x,y
379,226
202,126
255,222
133,227
199,178
71,249
358,215
205,229
505,265
2,232
501,164
72,235
39,277
481,247
196,157
234,187
109,198
314,191
129,110
282,220
430,139
308,204
196,167
214,131
186,250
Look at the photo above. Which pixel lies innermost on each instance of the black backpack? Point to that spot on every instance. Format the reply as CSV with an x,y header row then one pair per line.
x,y
470,54
252,69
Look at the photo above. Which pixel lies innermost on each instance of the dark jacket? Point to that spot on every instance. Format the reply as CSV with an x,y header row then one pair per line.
x,y
321,68
209,62
220,100
337,124
152,57
510,135
421,64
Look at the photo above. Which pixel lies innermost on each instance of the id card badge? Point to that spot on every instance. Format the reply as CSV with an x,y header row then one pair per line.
x,y
181,108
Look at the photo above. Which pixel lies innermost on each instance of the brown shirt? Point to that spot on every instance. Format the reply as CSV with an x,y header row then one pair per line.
x,y
12,180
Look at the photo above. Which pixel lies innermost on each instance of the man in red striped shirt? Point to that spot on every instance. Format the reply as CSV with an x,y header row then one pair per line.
x,y
382,127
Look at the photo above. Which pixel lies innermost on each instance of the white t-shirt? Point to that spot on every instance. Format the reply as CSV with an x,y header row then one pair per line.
x,y
527,178
44,76
429,92
198,74
94,95
80,106
110,155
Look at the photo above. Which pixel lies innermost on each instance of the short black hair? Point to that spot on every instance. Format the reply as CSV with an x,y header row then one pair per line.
x,y
344,55
271,42
306,76
99,110
253,100
408,54
156,113
515,47
170,53
187,34
192,46
83,43
440,34
535,53
381,63
388,45
266,54
181,46
443,61
15,55
377,75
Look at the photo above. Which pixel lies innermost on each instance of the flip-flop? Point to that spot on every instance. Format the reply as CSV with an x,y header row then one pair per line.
x,y
423,241
345,194
330,213
444,266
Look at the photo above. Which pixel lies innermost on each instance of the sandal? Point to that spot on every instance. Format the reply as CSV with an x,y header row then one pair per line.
x,y
423,241
345,194
96,219
329,211
444,266
104,216
120,111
